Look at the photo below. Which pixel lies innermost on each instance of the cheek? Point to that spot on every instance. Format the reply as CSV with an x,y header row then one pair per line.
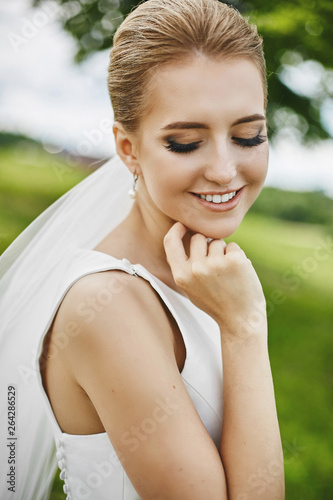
x,y
256,165
168,176
168,182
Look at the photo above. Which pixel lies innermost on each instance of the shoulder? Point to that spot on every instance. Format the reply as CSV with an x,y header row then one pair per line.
x,y
107,307
103,291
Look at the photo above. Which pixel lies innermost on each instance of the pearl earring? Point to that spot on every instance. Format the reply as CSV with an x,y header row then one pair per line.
x,y
132,191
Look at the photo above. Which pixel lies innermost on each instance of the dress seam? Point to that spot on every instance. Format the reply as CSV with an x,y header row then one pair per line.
x,y
204,399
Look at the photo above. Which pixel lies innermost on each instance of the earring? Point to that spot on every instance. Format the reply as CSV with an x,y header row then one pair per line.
x,y
132,191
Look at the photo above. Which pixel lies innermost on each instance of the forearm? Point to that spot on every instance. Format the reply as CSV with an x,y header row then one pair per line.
x,y
250,446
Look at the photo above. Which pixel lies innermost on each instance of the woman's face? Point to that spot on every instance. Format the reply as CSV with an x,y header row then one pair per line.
x,y
203,138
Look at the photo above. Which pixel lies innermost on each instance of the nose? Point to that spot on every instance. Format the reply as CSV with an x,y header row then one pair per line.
x,y
222,165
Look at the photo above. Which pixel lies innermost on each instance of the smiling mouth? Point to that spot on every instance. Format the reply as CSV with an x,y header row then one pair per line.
x,y
217,198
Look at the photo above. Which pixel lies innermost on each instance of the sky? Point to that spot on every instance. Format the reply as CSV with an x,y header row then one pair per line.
x,y
66,106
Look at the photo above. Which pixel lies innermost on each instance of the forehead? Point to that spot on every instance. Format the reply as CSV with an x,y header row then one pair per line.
x,y
204,89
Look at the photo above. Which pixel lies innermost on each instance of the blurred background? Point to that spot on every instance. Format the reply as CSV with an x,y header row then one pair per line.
x,y
56,128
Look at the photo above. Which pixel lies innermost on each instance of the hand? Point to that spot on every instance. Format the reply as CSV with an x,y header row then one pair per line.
x,y
219,279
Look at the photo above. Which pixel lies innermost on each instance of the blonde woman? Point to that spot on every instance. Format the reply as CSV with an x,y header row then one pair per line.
x,y
149,331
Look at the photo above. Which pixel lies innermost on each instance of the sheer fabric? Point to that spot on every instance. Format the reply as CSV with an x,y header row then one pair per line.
x,y
31,271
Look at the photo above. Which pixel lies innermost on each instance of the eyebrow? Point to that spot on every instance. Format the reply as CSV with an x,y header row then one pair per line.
x,y
184,125
198,125
251,118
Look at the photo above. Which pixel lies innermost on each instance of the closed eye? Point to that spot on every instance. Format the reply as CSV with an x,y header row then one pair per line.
x,y
251,142
177,147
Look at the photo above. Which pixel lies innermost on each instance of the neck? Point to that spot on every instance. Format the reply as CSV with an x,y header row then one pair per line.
x,y
139,238
148,228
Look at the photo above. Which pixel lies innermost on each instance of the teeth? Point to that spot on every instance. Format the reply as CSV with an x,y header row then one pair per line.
x,y
218,198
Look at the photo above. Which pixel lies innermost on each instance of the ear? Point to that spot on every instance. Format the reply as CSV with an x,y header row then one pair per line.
x,y
125,146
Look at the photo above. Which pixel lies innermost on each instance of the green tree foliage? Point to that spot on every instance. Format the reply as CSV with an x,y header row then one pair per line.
x,y
300,206
295,33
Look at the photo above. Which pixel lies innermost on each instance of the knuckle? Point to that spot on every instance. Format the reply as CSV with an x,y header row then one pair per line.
x,y
216,264
234,258
167,239
218,243
198,268
232,246
180,278
198,237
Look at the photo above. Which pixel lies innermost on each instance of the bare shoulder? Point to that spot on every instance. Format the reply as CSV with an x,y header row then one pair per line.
x,y
98,293
107,306
123,359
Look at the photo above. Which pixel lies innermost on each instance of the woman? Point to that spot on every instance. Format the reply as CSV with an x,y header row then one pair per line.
x,y
139,312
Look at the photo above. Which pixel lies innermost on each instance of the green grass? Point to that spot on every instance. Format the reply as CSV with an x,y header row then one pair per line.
x,y
300,320
299,291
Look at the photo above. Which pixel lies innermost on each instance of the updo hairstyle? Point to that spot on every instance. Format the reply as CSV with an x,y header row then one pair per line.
x,y
159,32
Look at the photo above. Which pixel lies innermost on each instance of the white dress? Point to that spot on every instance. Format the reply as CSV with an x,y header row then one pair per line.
x,y
89,465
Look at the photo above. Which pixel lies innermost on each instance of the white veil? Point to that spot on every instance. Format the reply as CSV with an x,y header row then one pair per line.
x,y
30,272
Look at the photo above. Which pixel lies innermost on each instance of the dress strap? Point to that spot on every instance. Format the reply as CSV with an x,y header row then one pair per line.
x,y
197,328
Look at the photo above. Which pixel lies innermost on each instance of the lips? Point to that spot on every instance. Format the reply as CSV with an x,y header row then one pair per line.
x,y
217,198
214,201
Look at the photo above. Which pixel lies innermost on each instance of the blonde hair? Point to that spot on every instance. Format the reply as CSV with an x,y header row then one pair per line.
x,y
160,32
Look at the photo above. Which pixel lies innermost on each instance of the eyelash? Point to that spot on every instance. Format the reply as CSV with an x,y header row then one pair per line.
x,y
177,147
252,142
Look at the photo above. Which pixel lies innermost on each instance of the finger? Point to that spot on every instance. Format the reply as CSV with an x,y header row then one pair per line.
x,y
232,247
173,245
216,248
198,246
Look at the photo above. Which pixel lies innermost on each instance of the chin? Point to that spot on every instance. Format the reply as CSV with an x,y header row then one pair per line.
x,y
215,231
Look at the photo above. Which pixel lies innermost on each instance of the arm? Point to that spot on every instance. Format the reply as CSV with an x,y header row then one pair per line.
x,y
125,362
250,446
220,280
